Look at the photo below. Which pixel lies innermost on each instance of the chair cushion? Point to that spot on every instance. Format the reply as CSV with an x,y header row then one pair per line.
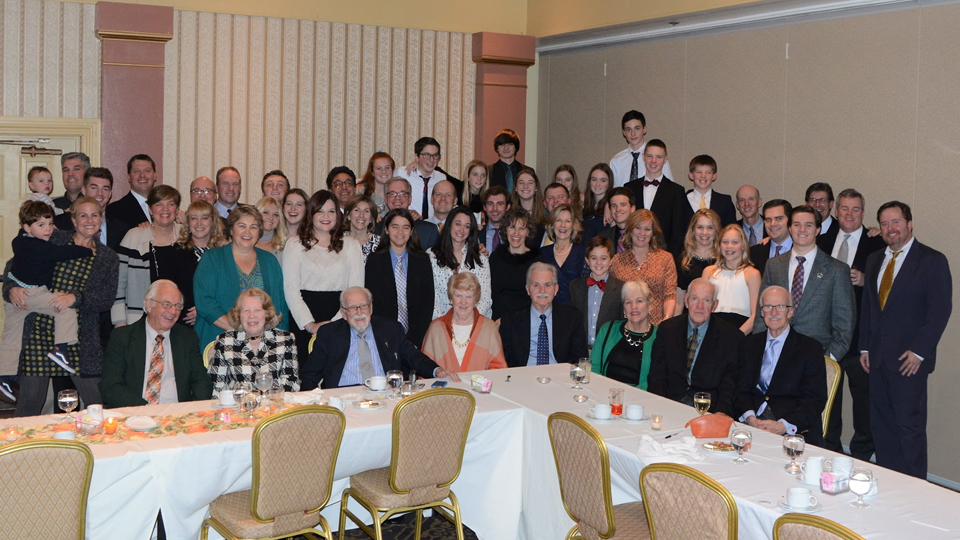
x,y
630,520
374,487
233,511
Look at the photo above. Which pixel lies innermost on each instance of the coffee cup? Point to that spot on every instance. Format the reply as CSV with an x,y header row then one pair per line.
x,y
376,383
842,464
601,411
812,468
335,402
226,398
800,498
65,435
634,412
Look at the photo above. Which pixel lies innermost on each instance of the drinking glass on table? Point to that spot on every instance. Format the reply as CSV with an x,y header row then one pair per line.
x,y
861,480
576,375
395,380
586,365
793,448
245,397
701,401
741,440
616,401
264,380
68,401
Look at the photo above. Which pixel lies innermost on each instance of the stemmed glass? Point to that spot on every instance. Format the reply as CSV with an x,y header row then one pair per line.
x,y
701,401
68,401
793,448
395,379
264,381
577,375
741,439
245,397
861,481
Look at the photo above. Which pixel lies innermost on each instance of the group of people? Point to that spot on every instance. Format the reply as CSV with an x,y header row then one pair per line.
x,y
662,288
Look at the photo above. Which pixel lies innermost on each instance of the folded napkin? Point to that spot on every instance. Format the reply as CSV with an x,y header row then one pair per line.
x,y
681,450
304,398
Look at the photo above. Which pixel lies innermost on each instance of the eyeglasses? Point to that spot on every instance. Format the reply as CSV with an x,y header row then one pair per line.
x,y
168,305
393,194
430,156
353,309
199,191
820,200
337,184
779,307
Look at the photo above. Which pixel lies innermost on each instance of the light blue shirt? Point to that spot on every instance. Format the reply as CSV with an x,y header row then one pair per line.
x,y
535,331
776,348
393,259
701,331
594,297
351,369
786,246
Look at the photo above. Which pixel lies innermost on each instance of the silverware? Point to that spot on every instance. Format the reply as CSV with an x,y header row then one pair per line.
x,y
508,378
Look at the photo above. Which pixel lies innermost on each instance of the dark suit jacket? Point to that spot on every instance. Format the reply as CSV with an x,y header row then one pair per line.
x,y
720,203
611,308
568,333
827,238
498,172
427,233
668,206
611,233
916,313
865,248
124,366
714,371
380,280
128,211
116,229
798,388
333,345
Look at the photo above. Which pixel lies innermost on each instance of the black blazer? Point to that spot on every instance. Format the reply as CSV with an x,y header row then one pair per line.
x,y
668,206
611,308
720,203
498,172
427,233
798,389
714,371
128,210
333,344
826,240
866,247
569,335
611,233
116,229
380,280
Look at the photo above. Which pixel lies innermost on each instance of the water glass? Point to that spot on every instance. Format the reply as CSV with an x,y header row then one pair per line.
x,y
68,401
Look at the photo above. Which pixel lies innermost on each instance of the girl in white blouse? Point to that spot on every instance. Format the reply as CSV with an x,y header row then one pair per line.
x,y
736,280
459,250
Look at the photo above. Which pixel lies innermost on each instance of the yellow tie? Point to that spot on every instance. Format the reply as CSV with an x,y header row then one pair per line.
x,y
886,282
703,203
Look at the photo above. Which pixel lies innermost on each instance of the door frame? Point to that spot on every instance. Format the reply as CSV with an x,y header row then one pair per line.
x,y
88,129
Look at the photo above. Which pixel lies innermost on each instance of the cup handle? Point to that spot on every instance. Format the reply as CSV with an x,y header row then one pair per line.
x,y
367,384
813,501
803,467
591,412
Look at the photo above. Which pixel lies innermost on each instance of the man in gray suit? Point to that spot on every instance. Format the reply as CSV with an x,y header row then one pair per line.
x,y
819,285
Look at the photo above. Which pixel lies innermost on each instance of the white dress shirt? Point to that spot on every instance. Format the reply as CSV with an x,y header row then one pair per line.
x,y
852,244
143,204
825,225
807,268
416,187
650,192
888,256
694,199
621,163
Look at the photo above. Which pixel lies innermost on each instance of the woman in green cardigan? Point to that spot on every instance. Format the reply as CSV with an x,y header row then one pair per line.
x,y
622,349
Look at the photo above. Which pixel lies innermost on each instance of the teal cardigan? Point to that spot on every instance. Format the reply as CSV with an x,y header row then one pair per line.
x,y
607,338
216,286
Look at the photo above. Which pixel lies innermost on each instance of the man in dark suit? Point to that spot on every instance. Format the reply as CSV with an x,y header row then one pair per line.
x,y
398,196
622,203
496,204
361,345
170,370
703,173
98,183
544,333
598,295
782,374
819,285
907,302
820,197
382,276
132,208
852,246
748,204
696,353
776,215
661,195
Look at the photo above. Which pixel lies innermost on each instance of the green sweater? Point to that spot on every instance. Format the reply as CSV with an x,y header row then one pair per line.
x,y
607,338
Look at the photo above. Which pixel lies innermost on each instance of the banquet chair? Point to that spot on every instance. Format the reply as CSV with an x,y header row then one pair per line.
x,y
807,527
429,434
833,386
583,467
682,502
207,354
49,481
283,501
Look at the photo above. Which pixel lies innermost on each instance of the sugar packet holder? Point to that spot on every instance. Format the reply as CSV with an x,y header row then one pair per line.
x,y
481,384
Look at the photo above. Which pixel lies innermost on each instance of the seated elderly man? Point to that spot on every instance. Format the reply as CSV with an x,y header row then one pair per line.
x,y
545,332
155,360
782,374
362,345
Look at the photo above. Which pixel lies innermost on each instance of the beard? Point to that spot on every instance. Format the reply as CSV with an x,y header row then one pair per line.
x,y
360,323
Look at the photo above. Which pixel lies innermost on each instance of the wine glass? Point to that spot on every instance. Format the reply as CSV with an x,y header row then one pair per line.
x,y
861,481
68,401
245,397
264,380
741,440
576,374
395,380
701,401
793,448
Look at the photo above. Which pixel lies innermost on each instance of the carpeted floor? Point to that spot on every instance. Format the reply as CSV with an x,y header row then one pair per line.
x,y
402,528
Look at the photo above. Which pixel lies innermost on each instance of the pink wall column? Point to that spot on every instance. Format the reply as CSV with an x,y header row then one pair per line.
x,y
131,99
501,96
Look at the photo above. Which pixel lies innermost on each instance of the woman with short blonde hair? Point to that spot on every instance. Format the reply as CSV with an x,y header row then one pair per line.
x,y
463,339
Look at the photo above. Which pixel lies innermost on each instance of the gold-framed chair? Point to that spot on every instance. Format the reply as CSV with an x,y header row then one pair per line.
x,y
429,434
583,468
43,472
807,527
208,354
283,501
310,345
682,502
834,372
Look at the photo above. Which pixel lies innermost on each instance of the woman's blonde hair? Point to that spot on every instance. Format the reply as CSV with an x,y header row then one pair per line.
x,y
271,317
690,241
577,225
217,238
463,281
744,251
634,221
279,235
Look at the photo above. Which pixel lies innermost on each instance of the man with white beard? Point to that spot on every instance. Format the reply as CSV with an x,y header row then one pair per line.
x,y
351,350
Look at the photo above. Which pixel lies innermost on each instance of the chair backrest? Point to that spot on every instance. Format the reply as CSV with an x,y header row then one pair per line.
x,y
807,527
313,338
429,434
294,456
583,467
48,482
682,503
207,354
833,386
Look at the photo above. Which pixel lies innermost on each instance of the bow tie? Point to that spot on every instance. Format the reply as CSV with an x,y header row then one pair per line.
x,y
647,183
602,283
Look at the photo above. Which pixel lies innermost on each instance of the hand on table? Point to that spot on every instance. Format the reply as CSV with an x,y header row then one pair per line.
x,y
444,374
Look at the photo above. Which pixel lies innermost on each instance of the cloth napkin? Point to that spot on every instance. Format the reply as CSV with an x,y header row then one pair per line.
x,y
682,450
304,398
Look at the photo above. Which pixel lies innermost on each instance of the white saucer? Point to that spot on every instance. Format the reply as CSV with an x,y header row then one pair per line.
x,y
629,421
610,420
141,423
356,405
810,510
376,392
106,414
801,479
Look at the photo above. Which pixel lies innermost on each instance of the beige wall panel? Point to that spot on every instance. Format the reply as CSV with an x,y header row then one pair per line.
x,y
576,115
171,114
223,94
543,110
441,93
186,134
206,66
70,48
89,60
273,83
254,108
735,112
853,114
426,84
468,144
51,57
289,97
31,60
12,28
238,135
322,100
351,132
305,78
453,144
368,97
412,80
338,75
382,107
398,123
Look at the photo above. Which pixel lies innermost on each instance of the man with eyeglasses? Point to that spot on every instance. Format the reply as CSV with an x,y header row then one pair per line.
x,y
398,196
361,345
342,182
820,196
782,374
203,189
155,360
424,176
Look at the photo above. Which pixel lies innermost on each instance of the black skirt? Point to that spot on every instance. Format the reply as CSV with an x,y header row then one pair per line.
x,y
323,306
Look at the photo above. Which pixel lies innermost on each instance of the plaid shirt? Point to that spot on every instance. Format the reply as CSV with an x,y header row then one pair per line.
x,y
234,361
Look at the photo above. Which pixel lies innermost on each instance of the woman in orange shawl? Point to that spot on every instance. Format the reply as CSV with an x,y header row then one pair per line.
x,y
463,339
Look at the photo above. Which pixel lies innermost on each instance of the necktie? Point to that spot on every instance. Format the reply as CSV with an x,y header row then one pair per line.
x,y
886,282
777,254
796,289
495,241
768,365
401,277
703,205
691,353
654,183
509,178
753,236
366,361
620,241
844,250
425,207
543,342
599,283
439,226
635,168
152,393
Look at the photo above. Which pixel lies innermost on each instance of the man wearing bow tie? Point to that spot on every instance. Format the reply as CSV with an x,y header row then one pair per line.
x,y
659,194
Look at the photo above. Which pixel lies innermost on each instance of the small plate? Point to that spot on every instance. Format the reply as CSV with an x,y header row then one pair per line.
x,y
719,451
640,421
106,414
141,423
610,420
376,405
349,398
787,508
370,392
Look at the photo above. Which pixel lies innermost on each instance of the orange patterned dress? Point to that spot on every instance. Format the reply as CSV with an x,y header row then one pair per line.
x,y
658,271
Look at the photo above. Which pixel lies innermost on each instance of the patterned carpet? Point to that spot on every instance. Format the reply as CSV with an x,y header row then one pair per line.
x,y
402,528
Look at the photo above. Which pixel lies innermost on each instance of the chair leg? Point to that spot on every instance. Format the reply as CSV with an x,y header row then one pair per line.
x,y
204,531
419,524
456,516
343,514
